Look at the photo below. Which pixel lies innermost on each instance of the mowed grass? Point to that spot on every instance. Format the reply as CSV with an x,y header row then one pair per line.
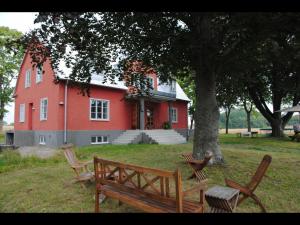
x,y
36,185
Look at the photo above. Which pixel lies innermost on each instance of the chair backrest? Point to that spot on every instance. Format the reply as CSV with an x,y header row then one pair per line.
x,y
260,172
70,154
140,179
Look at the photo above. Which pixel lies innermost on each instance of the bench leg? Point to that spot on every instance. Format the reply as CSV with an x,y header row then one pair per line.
x,y
97,195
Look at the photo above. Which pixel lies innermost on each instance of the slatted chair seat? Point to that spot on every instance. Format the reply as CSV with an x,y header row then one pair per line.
x,y
80,168
149,202
196,165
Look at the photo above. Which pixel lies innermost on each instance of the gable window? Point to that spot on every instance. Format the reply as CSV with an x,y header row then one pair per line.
x,y
44,109
99,109
39,74
22,113
42,140
174,115
99,140
173,86
27,78
151,81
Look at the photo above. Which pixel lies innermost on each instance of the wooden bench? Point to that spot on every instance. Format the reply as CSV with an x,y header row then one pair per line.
x,y
147,189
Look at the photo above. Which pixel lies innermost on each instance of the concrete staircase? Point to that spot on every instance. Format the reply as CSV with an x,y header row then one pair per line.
x,y
158,136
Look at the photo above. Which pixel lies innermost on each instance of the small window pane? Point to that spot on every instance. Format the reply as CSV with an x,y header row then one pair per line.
x,y
93,103
104,138
93,139
99,139
93,115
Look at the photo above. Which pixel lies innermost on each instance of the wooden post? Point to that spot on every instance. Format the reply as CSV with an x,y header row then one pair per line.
x,y
178,191
142,113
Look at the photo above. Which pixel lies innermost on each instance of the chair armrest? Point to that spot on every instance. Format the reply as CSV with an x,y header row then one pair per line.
x,y
201,186
195,161
78,166
235,185
87,162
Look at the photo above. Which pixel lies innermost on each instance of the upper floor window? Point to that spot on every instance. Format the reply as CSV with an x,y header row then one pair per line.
x,y
174,115
151,81
27,78
44,109
173,86
22,113
39,74
99,109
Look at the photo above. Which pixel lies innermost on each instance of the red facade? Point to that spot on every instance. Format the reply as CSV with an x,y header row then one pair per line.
x,y
123,113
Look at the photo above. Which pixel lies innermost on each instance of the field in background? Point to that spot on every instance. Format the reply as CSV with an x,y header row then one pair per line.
x,y
238,130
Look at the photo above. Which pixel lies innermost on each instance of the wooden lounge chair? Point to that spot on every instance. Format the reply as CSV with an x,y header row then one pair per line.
x,y
247,190
81,169
196,165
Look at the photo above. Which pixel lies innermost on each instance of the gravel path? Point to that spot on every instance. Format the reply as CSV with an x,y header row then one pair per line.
x,y
39,151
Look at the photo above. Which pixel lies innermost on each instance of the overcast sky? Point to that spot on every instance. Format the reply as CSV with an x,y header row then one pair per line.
x,y
22,22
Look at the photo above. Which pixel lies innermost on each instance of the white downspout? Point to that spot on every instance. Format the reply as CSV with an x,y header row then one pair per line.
x,y
65,112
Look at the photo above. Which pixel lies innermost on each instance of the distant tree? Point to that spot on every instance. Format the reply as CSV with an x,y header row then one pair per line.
x,y
227,96
269,66
10,59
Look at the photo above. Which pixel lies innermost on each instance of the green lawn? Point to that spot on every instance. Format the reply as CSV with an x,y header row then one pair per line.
x,y
1,137
35,185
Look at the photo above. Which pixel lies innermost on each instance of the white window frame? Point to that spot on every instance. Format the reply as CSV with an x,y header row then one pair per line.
x,y
149,77
28,78
176,110
42,113
99,142
22,113
108,109
42,140
39,74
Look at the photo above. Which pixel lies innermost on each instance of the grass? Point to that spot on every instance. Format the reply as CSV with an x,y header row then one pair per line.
x,y
1,137
36,185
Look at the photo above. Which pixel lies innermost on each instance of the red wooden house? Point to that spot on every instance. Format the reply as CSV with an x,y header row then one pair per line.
x,y
51,114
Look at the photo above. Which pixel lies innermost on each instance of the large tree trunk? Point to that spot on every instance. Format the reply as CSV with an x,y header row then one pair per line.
x,y
206,118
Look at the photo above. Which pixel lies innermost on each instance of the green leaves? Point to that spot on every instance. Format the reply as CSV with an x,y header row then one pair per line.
x,y
10,59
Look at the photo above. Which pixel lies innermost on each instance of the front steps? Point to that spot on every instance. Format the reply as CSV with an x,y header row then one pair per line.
x,y
158,136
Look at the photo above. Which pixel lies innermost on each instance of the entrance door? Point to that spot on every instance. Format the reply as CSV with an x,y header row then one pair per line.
x,y
30,111
149,118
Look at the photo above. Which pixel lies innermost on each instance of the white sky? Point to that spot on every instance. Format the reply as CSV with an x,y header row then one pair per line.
x,y
22,22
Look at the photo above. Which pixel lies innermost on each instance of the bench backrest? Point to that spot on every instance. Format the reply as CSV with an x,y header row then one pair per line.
x,y
149,181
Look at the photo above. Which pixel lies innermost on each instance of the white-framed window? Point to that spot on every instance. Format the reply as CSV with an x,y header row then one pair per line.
x,y
39,74
95,140
173,86
27,78
174,115
42,140
151,81
22,113
99,109
44,109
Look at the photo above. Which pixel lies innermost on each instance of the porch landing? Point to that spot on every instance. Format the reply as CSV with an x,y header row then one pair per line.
x,y
157,136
